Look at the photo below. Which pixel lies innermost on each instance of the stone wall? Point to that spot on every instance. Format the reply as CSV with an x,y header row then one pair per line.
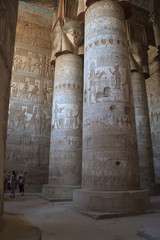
x,y
28,138
8,19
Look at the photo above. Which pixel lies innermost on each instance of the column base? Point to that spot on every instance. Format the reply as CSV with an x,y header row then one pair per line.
x,y
58,193
117,202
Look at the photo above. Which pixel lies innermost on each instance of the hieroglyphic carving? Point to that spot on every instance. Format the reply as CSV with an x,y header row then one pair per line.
x,y
66,122
29,63
103,85
108,116
29,120
33,34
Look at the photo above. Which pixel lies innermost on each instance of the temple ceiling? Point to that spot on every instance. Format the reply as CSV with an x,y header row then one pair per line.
x,y
51,4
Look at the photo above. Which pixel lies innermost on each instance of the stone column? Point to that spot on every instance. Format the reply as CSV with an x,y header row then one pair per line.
x,y
66,134
153,90
110,161
155,14
153,93
8,20
140,71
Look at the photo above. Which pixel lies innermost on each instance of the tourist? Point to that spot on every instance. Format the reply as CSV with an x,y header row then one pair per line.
x,y
21,181
5,181
13,184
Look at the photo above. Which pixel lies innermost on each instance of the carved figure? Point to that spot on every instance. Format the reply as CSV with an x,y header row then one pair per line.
x,y
37,65
24,92
22,119
14,89
56,117
33,121
66,38
43,123
27,65
45,92
34,92
117,75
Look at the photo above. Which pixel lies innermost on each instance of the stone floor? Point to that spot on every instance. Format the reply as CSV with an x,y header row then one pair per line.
x,y
60,221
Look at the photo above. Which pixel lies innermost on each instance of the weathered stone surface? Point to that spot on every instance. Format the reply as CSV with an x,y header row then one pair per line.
x,y
143,130
109,138
110,160
30,105
8,20
139,69
66,132
153,93
126,202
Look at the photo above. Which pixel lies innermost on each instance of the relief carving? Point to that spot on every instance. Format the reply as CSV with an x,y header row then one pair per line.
x,y
66,116
29,63
117,76
22,118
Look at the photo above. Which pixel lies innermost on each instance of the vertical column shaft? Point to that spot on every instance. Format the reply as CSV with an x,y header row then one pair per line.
x,y
66,134
143,130
109,139
139,66
110,157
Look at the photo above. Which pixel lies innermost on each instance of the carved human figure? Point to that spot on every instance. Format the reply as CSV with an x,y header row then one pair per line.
x,y
57,110
37,65
34,92
43,123
27,64
45,93
17,63
14,89
22,119
33,121
117,75
25,90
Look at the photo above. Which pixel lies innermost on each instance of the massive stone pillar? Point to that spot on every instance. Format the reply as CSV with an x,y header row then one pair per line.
x,y
153,93
155,14
8,20
66,134
153,90
139,71
110,172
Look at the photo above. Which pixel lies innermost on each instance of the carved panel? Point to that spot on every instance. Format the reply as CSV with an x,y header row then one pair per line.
x,y
30,107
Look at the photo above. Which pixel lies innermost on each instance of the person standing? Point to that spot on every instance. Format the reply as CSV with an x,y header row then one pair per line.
x,y
13,184
5,181
21,181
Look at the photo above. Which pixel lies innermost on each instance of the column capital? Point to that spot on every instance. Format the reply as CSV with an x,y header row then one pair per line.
x,y
155,15
139,58
67,38
84,4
